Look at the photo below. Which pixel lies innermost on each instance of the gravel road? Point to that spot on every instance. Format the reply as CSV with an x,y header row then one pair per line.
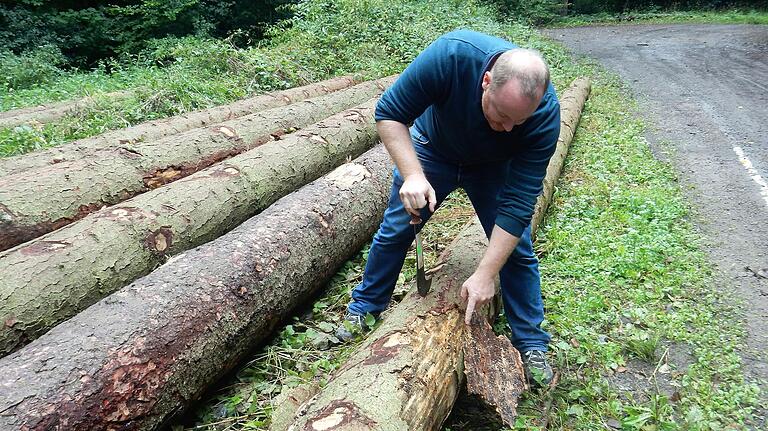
x,y
704,90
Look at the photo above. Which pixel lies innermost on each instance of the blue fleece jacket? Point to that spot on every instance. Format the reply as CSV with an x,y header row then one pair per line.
x,y
440,92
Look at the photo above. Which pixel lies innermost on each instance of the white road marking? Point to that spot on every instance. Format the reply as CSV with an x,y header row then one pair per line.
x,y
753,173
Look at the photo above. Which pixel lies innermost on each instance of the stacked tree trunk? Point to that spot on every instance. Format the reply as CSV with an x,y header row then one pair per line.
x,y
47,113
409,371
39,200
51,278
153,130
142,354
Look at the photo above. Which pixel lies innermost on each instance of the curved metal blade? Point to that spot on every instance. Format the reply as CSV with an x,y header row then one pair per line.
x,y
422,283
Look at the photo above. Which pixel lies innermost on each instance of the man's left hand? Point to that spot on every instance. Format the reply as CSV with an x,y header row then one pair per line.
x,y
477,291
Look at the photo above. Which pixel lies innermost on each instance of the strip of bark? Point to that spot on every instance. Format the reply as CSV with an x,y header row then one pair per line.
x,y
51,278
408,373
41,114
157,129
43,199
144,353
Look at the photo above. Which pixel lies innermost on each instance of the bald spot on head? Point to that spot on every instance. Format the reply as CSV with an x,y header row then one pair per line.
x,y
527,67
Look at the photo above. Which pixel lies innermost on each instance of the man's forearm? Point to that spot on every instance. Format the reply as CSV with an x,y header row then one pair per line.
x,y
397,140
499,249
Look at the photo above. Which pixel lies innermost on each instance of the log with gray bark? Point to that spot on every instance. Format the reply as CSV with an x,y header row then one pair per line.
x,y
43,199
51,278
157,129
571,104
142,354
409,371
41,114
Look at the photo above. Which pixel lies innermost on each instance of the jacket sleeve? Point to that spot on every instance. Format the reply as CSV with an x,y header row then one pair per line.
x,y
526,171
424,82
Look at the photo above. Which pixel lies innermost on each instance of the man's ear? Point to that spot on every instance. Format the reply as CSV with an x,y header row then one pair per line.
x,y
486,80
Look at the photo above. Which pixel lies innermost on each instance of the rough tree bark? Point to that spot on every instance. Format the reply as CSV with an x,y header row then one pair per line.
x,y
408,373
142,354
157,129
43,199
47,113
51,278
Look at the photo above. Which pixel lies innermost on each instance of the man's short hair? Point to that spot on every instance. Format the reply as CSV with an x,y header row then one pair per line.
x,y
525,65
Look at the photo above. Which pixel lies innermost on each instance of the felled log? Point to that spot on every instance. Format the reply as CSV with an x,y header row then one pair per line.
x,y
43,199
142,354
409,371
153,130
51,278
50,112
571,104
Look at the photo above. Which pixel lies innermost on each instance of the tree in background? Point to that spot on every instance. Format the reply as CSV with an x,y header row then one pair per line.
x,y
85,31
544,11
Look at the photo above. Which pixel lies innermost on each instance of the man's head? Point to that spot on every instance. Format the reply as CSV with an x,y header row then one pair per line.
x,y
513,88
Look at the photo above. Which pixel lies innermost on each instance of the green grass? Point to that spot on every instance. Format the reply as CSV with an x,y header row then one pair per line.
x,y
729,16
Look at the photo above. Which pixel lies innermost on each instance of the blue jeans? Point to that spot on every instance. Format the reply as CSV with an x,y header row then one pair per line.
x,y
520,281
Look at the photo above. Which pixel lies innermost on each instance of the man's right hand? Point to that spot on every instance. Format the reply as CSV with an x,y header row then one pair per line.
x,y
416,193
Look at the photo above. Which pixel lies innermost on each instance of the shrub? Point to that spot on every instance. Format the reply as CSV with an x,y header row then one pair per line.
x,y
34,67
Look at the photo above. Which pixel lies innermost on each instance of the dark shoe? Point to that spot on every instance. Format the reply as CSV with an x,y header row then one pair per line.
x,y
537,370
351,326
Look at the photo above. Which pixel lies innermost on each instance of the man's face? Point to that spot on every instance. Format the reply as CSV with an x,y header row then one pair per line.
x,y
505,107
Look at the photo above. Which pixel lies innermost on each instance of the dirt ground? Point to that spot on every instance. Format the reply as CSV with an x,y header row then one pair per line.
x,y
704,91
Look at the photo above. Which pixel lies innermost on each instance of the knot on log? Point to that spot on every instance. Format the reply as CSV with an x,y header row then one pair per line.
x,y
228,132
387,347
337,414
346,176
160,240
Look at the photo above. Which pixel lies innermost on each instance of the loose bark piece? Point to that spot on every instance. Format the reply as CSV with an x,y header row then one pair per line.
x,y
51,278
47,113
40,200
494,369
409,371
141,355
571,104
156,129
407,374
